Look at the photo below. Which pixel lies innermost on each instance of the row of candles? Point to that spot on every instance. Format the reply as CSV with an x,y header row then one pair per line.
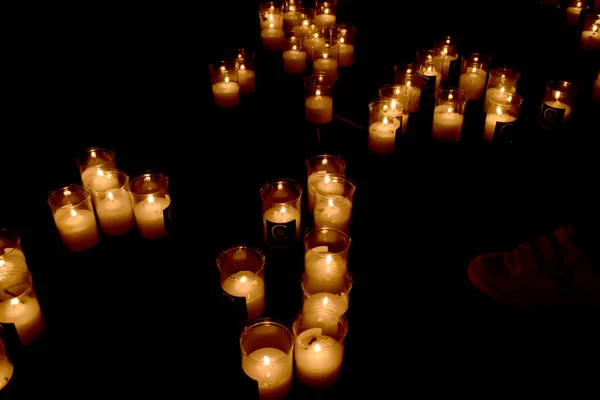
x,y
314,346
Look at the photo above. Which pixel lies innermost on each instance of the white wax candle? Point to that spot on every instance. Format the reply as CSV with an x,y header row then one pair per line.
x,y
246,80
324,21
281,215
432,74
335,212
294,61
272,20
561,105
250,286
226,94
312,45
490,123
272,369
101,180
498,95
76,228
12,258
442,63
317,260
382,137
447,124
6,371
115,212
272,38
318,359
346,55
590,39
597,90
473,83
396,117
149,216
326,301
26,314
319,108
329,66
325,187
573,15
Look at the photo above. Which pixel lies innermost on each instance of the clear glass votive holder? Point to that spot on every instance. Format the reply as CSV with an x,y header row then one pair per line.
x,y
293,55
502,82
315,39
7,368
92,160
19,305
319,348
225,85
246,74
270,15
151,204
448,115
326,248
501,117
573,11
386,116
596,90
402,96
344,41
318,100
334,196
74,217
242,272
281,209
11,252
406,75
430,76
473,75
590,35
304,27
557,104
293,14
325,62
267,348
112,203
326,289
325,13
446,53
316,167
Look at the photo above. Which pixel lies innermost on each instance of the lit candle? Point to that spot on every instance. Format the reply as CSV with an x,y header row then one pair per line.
x,y
314,44
334,212
499,94
328,66
76,228
573,14
246,80
325,19
447,124
6,371
281,222
101,182
272,38
473,82
226,93
491,121
25,313
382,137
272,20
294,61
346,54
149,216
319,108
289,18
317,302
396,114
554,109
597,89
317,259
249,286
327,186
430,74
272,369
115,212
409,96
12,258
443,61
318,358
590,39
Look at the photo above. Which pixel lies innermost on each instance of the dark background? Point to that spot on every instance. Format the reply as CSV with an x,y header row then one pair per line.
x,y
136,317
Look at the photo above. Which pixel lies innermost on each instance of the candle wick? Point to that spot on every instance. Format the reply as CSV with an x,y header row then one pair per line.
x,y
10,293
311,341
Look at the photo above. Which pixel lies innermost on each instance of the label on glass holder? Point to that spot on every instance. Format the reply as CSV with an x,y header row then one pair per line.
x,y
504,132
429,84
551,117
281,234
168,217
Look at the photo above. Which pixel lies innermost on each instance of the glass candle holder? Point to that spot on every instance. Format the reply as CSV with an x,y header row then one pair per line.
x,y
244,63
402,96
596,91
19,305
271,28
315,40
406,75
344,40
304,27
293,14
293,55
448,115
319,348
151,204
334,196
11,253
573,11
92,160
385,118
326,248
473,75
113,204
446,54
242,270
318,100
500,118
325,14
431,77
281,210
325,62
74,217
6,366
502,83
270,15
590,37
557,104
316,167
267,348
225,85
326,289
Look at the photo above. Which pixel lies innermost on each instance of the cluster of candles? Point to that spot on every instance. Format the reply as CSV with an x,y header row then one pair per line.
x,y
585,15
315,344
108,201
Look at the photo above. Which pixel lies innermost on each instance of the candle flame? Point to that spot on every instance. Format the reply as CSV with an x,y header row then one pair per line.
x,y
73,213
578,4
226,79
315,35
409,71
450,96
557,95
445,51
474,70
270,17
243,279
393,103
429,68
14,301
329,259
93,154
509,99
283,210
594,28
271,26
292,8
151,199
317,92
294,47
242,66
325,301
2,263
324,161
222,68
280,186
327,11
447,41
110,196
385,108
67,192
266,360
325,55
498,110
397,90
330,203
476,59
342,40
502,89
450,110
385,121
99,172
317,347
327,179
408,83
